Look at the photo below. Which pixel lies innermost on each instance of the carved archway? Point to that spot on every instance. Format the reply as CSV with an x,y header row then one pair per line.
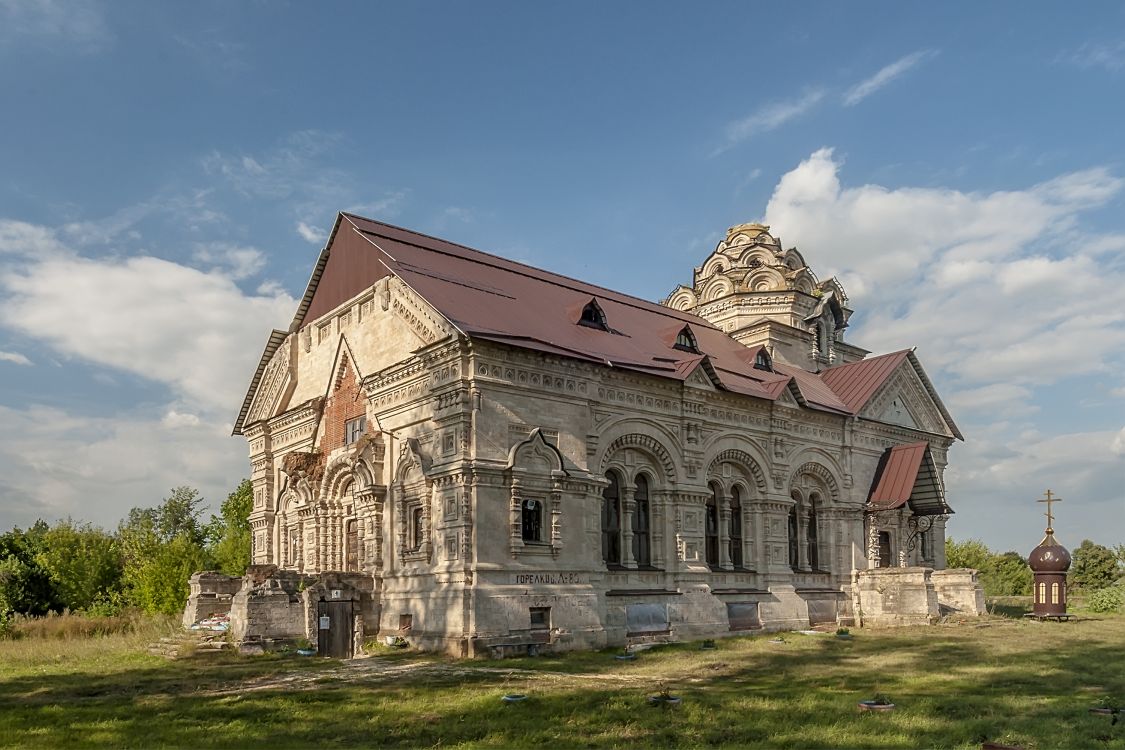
x,y
746,461
646,443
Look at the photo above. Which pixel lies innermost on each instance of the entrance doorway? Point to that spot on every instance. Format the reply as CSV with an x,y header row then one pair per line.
x,y
334,629
885,550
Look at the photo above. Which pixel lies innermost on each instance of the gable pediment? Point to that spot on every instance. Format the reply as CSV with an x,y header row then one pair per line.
x,y
275,386
699,379
904,400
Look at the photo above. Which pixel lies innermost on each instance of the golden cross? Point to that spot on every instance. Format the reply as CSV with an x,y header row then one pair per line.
x,y
1050,518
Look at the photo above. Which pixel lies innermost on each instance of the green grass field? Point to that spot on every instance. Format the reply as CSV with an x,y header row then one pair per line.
x,y
958,685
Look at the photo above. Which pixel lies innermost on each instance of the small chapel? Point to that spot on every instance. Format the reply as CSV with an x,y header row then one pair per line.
x,y
468,454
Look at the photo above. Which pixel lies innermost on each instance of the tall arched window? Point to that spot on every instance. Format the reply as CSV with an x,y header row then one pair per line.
x,y
532,516
641,523
794,558
736,527
711,527
813,551
611,521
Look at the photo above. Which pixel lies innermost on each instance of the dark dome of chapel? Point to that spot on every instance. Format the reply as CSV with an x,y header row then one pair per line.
x,y
1049,556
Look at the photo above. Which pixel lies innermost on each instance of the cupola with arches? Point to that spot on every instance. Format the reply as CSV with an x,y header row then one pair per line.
x,y
763,294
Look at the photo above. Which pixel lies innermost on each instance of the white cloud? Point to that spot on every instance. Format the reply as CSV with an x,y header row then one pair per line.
x,y
15,357
196,332
79,23
54,463
770,117
237,261
1108,56
866,88
174,419
309,234
1117,447
1005,294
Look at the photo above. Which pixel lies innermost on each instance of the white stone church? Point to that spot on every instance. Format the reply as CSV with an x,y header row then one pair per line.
x,y
473,455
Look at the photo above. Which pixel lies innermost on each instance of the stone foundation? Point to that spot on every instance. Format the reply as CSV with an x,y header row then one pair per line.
x,y
211,594
895,596
959,591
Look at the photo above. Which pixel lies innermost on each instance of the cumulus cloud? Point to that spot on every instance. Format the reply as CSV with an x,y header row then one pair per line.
x,y
15,358
770,117
193,331
1008,299
237,261
867,87
55,464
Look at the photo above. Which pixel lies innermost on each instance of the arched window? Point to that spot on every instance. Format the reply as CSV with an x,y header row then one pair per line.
x,y
532,516
593,316
685,341
611,521
813,551
736,527
1042,593
351,545
762,361
794,559
711,527
1054,593
641,523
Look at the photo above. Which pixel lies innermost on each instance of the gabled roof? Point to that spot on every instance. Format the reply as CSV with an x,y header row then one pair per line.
x,y
856,383
907,474
275,340
487,297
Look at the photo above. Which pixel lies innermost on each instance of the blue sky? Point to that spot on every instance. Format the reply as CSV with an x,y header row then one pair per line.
x,y
168,174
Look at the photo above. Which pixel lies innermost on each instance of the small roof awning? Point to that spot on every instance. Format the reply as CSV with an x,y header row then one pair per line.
x,y
907,476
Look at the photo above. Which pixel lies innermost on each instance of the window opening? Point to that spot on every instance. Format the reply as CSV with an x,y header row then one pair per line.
x,y
417,527
794,559
813,551
532,520
641,547
685,341
611,521
405,622
762,361
593,316
540,618
353,429
736,527
885,550
711,527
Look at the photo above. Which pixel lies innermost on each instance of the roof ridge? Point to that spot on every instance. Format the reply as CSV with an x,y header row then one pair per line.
x,y
529,271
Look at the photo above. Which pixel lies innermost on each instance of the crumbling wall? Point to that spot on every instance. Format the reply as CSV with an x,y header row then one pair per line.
x,y
959,590
895,596
211,594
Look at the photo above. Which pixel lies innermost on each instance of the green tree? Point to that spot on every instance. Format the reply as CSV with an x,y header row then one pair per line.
x,y
162,547
229,532
1092,567
24,586
1007,574
971,553
82,561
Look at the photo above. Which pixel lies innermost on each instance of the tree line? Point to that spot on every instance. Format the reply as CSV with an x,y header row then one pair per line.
x,y
145,564
1096,571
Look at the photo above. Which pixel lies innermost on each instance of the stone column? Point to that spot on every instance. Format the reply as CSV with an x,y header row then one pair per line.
x,y
658,515
723,520
774,511
628,508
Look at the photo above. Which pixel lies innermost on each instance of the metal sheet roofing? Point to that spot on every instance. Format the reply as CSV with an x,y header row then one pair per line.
x,y
492,298
907,474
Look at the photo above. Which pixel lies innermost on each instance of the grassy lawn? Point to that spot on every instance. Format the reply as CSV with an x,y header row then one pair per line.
x,y
997,679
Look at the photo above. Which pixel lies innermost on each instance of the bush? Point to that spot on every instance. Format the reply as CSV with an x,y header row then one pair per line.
x,y
69,626
1107,600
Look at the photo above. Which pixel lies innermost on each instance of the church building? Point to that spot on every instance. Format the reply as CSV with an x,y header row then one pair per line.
x,y
482,456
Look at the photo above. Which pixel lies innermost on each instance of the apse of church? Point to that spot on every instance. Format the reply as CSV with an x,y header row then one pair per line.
x,y
502,456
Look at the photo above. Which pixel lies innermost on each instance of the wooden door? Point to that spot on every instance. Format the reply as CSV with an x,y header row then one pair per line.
x,y
334,629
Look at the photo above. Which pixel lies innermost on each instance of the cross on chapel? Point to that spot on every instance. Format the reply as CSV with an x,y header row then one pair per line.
x,y
1050,518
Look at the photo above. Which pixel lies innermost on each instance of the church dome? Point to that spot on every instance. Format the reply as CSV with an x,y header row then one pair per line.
x,y
1049,556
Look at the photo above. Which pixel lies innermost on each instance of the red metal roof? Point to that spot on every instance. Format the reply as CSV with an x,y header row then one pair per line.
x,y
856,383
895,476
493,298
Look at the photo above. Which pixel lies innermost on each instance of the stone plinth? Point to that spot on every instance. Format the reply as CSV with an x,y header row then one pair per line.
x,y
959,591
211,595
895,596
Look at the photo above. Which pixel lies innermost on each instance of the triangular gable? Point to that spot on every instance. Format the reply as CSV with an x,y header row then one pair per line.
x,y
253,411
907,398
907,475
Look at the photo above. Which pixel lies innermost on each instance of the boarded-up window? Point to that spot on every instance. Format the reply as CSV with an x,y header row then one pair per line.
x,y
743,615
822,611
641,619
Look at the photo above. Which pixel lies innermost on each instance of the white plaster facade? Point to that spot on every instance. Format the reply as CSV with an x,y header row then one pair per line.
x,y
476,495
